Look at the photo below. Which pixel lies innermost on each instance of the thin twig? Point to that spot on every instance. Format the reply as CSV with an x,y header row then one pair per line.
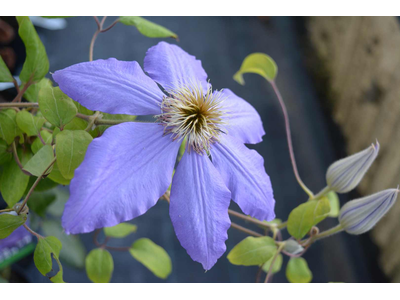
x,y
15,154
22,91
250,219
33,232
245,230
41,138
97,22
16,85
269,274
111,26
103,245
92,120
289,139
35,184
259,273
95,236
19,104
117,248
322,235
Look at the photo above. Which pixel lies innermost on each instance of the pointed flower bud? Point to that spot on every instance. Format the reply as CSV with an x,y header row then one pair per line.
x,y
359,216
345,174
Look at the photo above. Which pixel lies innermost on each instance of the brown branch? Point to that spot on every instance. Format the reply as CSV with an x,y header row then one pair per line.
x,y
33,232
35,184
22,92
245,230
19,104
289,138
15,154
249,219
111,26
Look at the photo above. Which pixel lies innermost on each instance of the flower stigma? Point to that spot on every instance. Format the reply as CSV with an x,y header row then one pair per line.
x,y
191,112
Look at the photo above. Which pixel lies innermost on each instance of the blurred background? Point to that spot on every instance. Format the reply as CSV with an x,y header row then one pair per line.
x,y
340,79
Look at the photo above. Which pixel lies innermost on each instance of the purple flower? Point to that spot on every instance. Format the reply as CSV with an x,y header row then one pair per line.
x,y
130,166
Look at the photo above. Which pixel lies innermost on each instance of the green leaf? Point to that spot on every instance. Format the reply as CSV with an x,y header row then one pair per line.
x,y
8,125
32,93
38,164
5,155
106,116
39,201
276,267
36,64
13,181
74,252
120,231
306,215
56,176
56,107
148,28
334,204
44,185
80,124
29,123
76,124
82,109
258,63
71,147
297,271
252,251
8,223
154,257
45,249
5,74
99,266
37,143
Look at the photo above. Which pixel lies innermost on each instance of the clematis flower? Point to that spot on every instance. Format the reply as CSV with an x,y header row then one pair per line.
x,y
128,168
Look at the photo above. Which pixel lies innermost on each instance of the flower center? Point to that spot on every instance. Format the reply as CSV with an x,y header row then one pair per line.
x,y
189,112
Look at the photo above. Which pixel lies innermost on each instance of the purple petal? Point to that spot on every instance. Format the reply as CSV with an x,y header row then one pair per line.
x,y
244,123
124,173
243,172
199,209
111,86
172,67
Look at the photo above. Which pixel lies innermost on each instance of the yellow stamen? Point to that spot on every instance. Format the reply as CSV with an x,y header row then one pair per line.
x,y
190,112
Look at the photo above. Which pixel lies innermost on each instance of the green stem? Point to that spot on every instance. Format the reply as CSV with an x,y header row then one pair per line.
x,y
92,120
282,225
322,193
322,235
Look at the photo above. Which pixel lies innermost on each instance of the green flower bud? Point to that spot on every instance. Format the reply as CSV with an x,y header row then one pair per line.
x,y
292,247
360,215
345,174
